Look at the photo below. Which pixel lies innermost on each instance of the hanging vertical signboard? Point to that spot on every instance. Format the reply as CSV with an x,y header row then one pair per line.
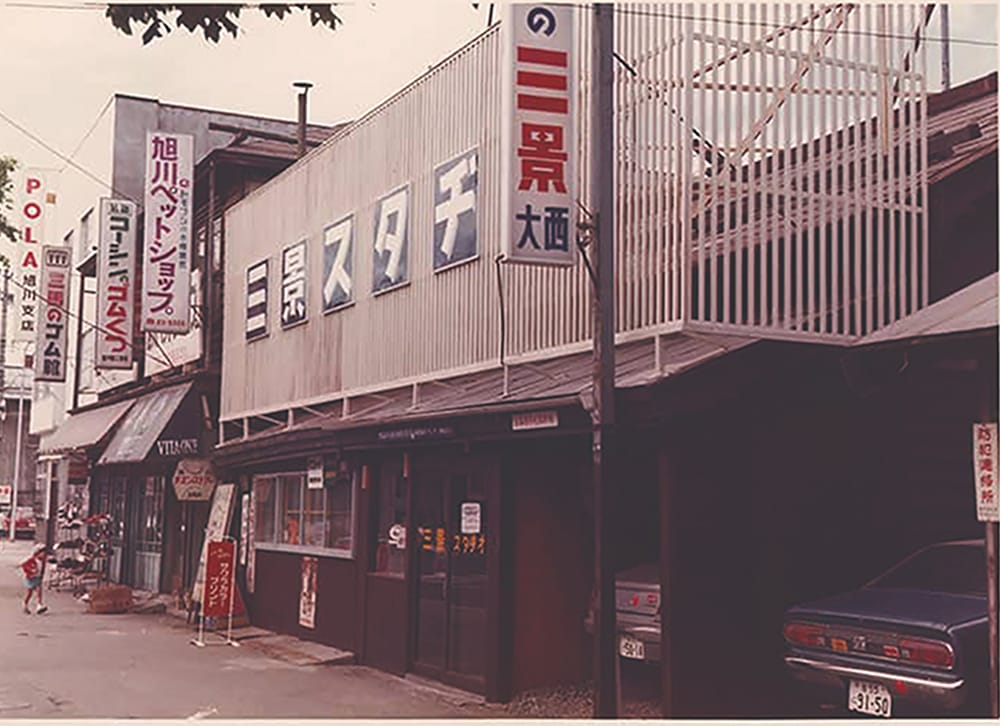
x,y
52,337
538,134
456,184
115,283
167,253
244,528
307,594
985,459
251,550
35,207
293,285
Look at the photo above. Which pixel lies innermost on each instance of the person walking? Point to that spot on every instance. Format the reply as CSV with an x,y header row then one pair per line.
x,y
34,572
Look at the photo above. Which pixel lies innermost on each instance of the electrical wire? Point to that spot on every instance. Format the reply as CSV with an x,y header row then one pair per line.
x,y
620,7
90,131
70,314
48,147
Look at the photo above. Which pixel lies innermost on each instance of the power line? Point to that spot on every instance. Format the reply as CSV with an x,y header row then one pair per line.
x,y
48,147
91,326
90,131
628,10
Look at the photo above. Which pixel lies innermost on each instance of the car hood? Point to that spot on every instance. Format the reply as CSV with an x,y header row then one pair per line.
x,y
920,608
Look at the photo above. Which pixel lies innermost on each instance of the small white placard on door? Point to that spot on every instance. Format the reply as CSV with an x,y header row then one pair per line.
x,y
472,517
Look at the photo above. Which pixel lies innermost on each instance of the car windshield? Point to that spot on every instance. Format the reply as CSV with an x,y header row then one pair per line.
x,y
953,568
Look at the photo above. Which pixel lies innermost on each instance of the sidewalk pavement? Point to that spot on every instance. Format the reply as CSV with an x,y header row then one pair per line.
x,y
69,663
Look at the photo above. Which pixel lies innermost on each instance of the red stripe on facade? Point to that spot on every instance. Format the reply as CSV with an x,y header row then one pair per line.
x,y
544,57
550,104
541,80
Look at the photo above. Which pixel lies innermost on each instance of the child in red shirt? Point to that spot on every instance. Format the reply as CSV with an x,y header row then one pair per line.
x,y
34,569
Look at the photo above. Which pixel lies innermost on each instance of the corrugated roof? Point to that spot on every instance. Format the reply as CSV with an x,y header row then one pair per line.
x,y
82,430
564,377
143,424
974,307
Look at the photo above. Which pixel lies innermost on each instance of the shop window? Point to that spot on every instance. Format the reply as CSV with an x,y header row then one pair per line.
x,y
390,533
292,516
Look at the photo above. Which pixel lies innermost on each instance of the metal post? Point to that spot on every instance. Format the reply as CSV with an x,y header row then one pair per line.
x,y
305,86
945,50
12,525
79,341
602,174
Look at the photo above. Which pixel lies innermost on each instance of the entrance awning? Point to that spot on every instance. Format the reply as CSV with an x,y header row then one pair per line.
x,y
144,423
84,429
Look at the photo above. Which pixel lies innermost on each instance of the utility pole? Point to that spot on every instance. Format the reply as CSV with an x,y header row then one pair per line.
x,y
945,49
12,525
604,444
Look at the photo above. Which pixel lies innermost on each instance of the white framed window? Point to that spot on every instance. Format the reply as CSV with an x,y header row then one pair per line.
x,y
292,517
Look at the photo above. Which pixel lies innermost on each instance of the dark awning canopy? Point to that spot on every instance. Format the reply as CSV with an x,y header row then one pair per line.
x,y
83,430
144,423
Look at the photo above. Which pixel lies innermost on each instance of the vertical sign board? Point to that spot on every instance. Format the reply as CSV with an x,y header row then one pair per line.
x,y
35,208
52,328
218,525
293,285
256,301
251,534
115,283
390,253
244,528
456,184
338,264
307,594
219,572
984,457
169,198
538,134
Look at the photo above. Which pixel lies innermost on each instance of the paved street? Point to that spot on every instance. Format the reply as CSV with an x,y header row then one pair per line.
x,y
69,663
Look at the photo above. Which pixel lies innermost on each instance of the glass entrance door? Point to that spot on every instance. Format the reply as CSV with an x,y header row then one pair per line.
x,y
450,524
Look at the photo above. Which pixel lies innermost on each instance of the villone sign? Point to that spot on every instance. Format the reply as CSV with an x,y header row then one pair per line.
x,y
538,148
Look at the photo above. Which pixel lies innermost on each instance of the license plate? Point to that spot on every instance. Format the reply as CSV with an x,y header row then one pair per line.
x,y
873,699
631,648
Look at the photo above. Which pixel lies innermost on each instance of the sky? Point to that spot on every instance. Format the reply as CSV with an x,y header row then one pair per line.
x,y
62,61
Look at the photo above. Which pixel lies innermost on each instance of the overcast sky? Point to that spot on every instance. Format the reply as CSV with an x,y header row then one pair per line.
x,y
60,67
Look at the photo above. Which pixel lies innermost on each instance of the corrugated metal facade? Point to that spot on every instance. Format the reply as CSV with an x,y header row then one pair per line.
x,y
724,235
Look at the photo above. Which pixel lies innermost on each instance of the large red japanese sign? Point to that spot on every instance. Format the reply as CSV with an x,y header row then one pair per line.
x,y
115,283
219,573
984,461
539,134
53,323
167,253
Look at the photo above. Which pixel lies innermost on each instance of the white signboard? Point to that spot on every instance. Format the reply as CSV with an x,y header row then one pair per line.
x,y
53,324
193,480
472,517
169,200
338,264
35,211
244,528
167,350
293,285
984,459
6,493
115,283
314,477
256,326
307,593
538,151
391,250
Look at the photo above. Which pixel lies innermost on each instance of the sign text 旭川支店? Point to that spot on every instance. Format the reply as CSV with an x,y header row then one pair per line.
x,y
169,201
116,262
52,332
538,148
984,457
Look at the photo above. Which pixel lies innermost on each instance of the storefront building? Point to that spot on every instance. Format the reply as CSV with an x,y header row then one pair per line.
x,y
407,416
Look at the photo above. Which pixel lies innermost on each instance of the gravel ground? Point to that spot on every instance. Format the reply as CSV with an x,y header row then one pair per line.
x,y
575,701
